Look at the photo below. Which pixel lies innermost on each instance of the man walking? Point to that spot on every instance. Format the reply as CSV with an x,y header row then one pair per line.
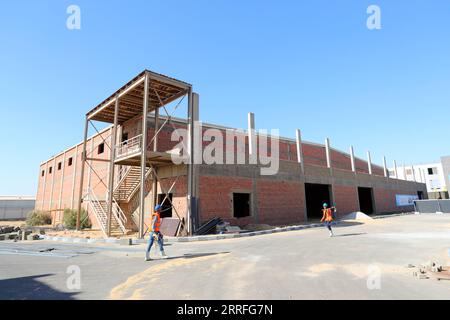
x,y
155,232
327,217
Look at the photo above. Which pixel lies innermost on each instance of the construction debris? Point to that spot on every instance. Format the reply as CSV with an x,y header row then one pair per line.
x,y
125,241
16,233
432,269
209,227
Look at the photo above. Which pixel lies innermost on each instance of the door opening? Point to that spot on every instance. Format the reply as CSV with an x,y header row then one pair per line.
x,y
316,196
365,196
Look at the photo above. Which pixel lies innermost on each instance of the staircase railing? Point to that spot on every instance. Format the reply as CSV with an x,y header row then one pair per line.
x,y
129,146
97,208
136,188
102,217
119,216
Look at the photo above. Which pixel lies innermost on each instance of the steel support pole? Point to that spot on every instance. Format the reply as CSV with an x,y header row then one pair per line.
x,y
111,165
83,160
155,148
143,156
193,113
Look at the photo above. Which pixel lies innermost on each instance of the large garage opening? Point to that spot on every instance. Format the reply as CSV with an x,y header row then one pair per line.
x,y
366,200
316,196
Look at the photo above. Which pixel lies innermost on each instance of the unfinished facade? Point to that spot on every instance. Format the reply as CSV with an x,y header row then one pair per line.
x,y
103,174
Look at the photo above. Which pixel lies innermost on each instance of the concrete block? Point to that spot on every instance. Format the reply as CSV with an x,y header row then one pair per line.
x,y
32,237
13,235
125,242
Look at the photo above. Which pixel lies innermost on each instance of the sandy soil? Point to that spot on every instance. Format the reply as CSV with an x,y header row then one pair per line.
x,y
13,223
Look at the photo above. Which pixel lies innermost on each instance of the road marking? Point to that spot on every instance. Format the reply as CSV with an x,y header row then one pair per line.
x,y
135,285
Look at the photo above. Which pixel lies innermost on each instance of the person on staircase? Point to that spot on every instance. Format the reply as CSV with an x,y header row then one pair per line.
x,y
155,232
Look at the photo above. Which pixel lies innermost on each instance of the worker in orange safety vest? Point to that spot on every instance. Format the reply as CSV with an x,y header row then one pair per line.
x,y
328,217
156,232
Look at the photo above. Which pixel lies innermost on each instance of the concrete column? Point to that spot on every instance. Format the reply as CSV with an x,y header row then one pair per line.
x,y
252,139
195,147
352,159
369,162
404,172
300,159
74,177
386,174
53,183
83,160
44,186
395,170
89,174
62,181
327,151
413,173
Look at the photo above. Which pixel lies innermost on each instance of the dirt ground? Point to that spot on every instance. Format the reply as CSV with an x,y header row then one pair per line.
x,y
12,223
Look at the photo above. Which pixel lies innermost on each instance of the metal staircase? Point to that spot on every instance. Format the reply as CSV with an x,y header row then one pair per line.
x,y
128,183
100,209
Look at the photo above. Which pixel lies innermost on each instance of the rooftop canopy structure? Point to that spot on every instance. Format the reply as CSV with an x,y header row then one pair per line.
x,y
146,93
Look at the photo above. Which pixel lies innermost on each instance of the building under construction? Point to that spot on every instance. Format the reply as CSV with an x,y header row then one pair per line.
x,y
120,172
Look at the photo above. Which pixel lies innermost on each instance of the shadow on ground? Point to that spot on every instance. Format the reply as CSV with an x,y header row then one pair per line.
x,y
195,255
348,223
349,234
30,288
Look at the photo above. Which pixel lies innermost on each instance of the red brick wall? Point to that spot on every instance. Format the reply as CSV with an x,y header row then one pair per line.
x,y
216,198
385,200
280,202
346,199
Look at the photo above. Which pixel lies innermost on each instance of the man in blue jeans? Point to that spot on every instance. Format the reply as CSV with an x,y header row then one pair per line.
x,y
155,232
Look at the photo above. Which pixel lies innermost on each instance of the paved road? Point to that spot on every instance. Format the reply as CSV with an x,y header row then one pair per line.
x,y
364,261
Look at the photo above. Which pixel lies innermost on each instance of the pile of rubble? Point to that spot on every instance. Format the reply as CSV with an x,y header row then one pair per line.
x,y
431,269
16,233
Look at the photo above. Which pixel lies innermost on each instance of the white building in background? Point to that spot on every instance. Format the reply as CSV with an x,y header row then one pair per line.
x,y
15,208
432,174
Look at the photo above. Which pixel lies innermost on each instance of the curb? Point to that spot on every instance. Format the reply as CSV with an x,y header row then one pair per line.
x,y
207,237
187,239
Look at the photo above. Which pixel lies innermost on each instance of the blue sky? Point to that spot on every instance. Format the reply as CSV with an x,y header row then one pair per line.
x,y
311,65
